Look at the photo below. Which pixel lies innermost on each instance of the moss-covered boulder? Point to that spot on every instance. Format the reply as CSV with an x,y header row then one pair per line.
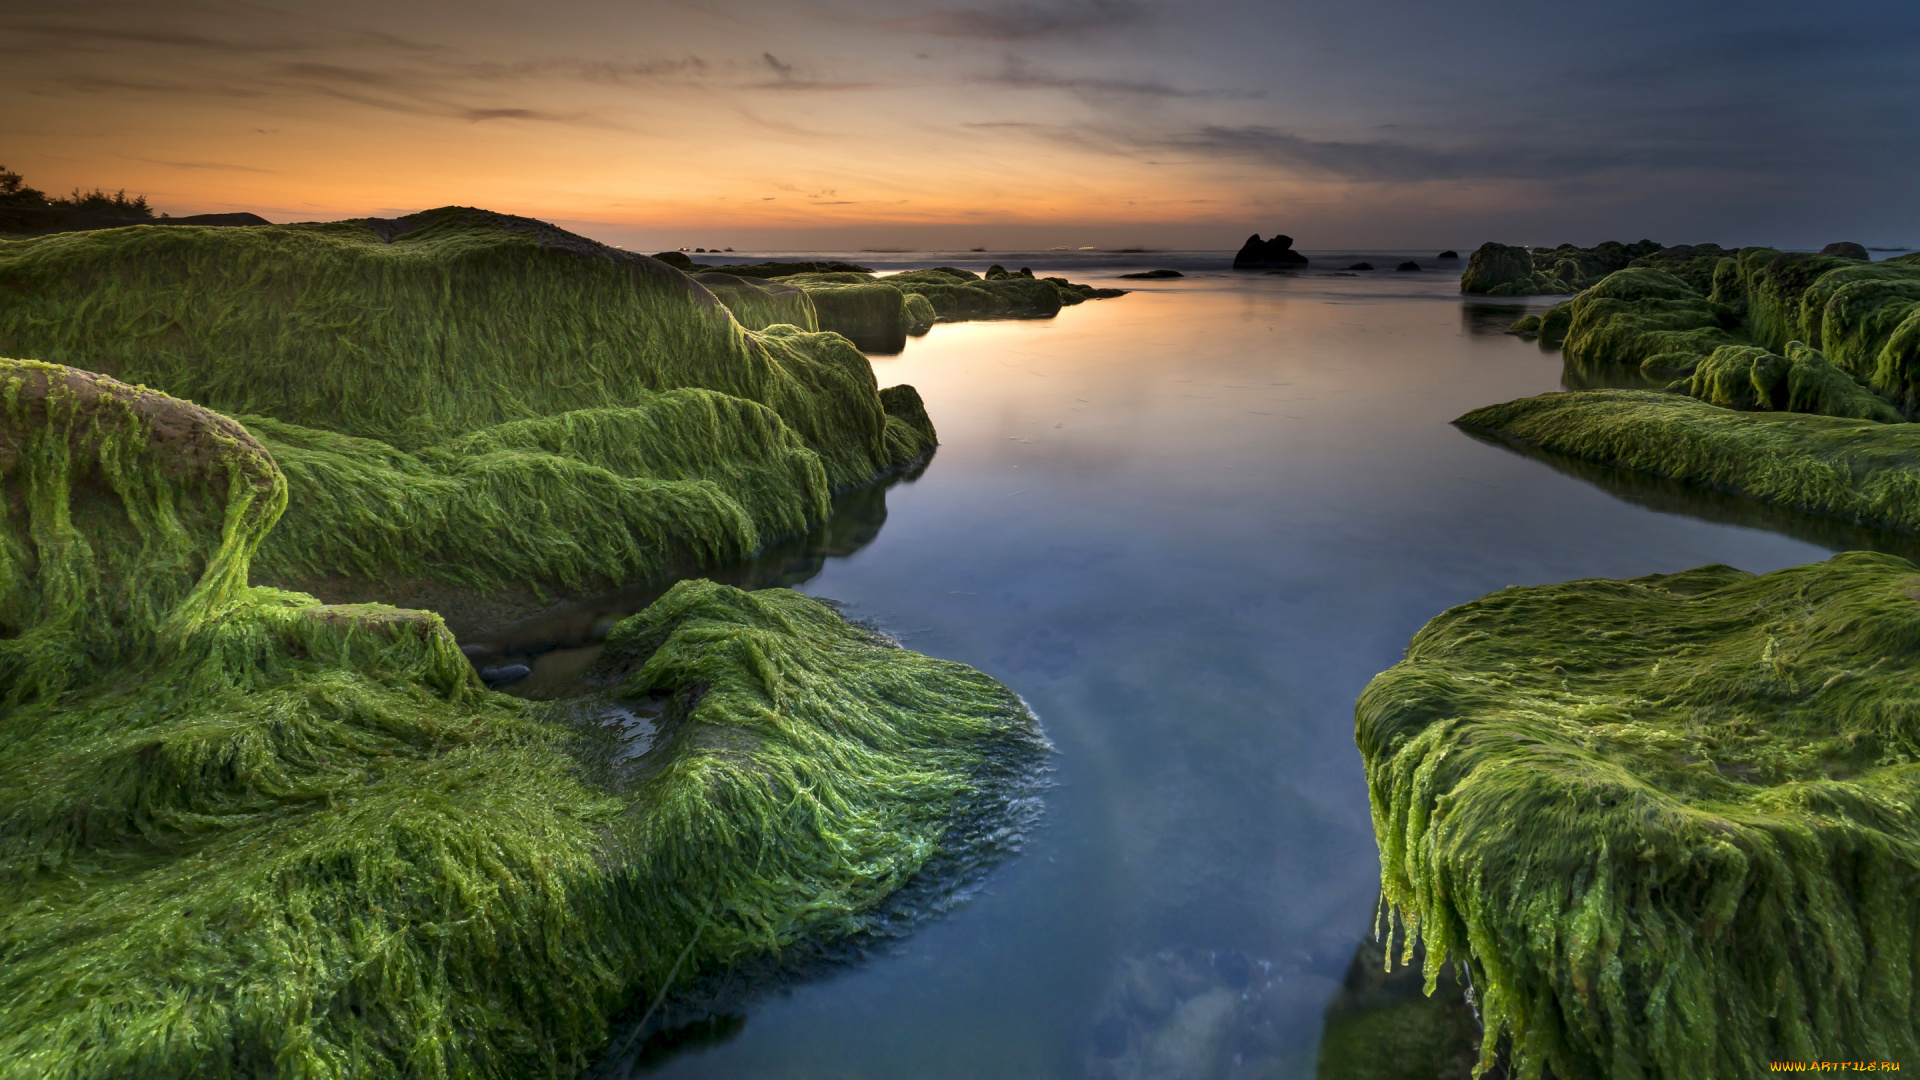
x,y
1666,822
1671,310
1859,471
757,303
1505,270
474,398
1749,377
1637,314
246,834
417,330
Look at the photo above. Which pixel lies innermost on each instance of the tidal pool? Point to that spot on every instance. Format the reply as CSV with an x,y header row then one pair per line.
x,y
1187,525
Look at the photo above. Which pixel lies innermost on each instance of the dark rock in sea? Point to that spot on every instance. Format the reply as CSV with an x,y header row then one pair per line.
x,y
476,652
1408,265
700,251
1503,270
1337,273
1846,249
1448,254
1361,266
1258,254
1152,275
504,674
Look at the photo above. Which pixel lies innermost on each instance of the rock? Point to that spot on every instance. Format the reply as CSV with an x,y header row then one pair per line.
x,y
1495,265
1408,265
476,652
501,675
676,259
1361,266
1846,249
1152,275
1258,254
1448,254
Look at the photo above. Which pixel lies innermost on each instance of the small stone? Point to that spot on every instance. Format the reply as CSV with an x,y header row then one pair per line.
x,y
504,674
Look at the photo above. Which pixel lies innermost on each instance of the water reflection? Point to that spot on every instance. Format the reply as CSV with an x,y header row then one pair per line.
x,y
1604,375
1382,1025
1663,495
1188,525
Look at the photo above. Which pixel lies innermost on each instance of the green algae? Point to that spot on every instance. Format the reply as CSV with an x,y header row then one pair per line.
x,y
418,330
1505,270
1666,824
1672,309
1858,471
678,481
757,303
245,834
1751,378
868,308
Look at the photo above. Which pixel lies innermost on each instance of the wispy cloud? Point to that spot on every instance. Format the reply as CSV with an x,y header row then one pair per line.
x,y
1027,21
1020,74
220,166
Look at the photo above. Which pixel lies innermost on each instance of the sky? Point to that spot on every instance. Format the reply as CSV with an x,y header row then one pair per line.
x,y
815,124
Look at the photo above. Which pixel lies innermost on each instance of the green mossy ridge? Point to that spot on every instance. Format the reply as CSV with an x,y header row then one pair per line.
x,y
245,834
1668,822
1506,270
418,330
757,303
848,303
1673,309
1859,471
675,482
1751,378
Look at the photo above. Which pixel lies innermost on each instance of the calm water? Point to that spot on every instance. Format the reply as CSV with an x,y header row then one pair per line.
x,y
1188,525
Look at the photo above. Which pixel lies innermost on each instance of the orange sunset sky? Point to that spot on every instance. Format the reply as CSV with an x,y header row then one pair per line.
x,y
811,124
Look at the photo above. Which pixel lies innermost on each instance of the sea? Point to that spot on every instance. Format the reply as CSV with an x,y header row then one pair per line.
x,y
1187,526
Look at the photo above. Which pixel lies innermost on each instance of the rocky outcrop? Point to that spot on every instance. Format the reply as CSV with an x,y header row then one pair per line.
x,y
1277,253
1846,249
1504,270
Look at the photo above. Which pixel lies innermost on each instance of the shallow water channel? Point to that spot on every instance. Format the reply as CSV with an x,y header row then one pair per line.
x,y
1187,525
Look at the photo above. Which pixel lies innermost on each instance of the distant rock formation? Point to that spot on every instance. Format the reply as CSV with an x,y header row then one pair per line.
x,y
1408,265
1448,254
1361,266
1846,249
1258,254
1153,275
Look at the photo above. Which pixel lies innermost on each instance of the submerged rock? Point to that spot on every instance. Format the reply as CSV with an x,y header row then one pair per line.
x,y
1361,266
1258,254
1408,265
1153,275
1664,822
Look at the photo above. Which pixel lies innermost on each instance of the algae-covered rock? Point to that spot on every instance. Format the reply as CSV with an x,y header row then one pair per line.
x,y
1504,270
417,330
757,303
245,834
477,399
1859,471
1846,249
1641,312
1863,317
1496,267
1666,822
1749,377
